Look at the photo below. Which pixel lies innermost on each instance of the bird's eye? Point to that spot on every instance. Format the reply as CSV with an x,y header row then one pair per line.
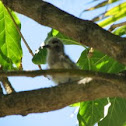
x,y
54,42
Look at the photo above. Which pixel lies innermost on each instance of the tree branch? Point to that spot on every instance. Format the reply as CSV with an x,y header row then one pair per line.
x,y
7,85
95,85
84,31
118,78
48,99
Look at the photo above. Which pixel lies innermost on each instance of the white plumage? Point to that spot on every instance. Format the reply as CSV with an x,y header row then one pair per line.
x,y
57,59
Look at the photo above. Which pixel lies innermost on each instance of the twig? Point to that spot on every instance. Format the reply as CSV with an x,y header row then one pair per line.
x,y
116,25
28,47
7,85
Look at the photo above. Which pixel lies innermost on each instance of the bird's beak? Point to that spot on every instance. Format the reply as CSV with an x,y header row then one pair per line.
x,y
46,46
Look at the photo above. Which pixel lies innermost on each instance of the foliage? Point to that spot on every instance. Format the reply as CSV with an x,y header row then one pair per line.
x,y
114,14
91,112
116,113
103,63
100,62
10,41
40,56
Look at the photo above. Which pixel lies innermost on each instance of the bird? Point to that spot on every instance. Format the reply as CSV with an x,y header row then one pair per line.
x,y
57,59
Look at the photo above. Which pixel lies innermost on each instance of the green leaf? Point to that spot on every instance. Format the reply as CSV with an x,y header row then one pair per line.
x,y
120,31
40,56
117,13
112,19
10,40
96,62
99,62
91,112
116,113
116,10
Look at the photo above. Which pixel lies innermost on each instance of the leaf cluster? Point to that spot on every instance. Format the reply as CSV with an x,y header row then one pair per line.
x,y
10,41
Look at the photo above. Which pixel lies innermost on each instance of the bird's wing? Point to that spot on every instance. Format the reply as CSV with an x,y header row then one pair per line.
x,y
67,62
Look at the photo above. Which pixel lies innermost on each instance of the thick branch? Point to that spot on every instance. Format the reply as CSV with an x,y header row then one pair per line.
x,y
85,32
48,99
94,86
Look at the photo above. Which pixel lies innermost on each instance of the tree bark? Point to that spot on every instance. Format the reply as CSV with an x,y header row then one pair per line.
x,y
84,31
94,86
7,85
48,99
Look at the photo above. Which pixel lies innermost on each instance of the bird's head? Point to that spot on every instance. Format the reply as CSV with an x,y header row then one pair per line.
x,y
54,44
